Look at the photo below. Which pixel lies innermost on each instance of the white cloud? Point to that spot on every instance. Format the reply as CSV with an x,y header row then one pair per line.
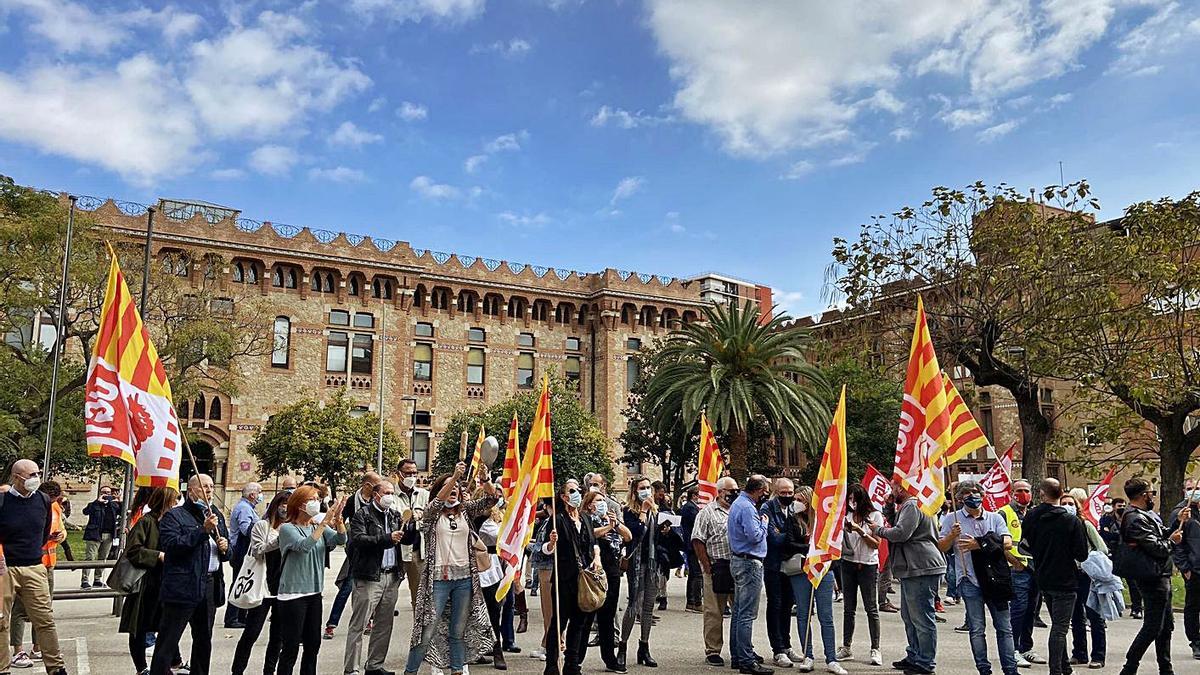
x,y
1060,99
857,156
672,222
227,174
798,170
626,188
998,131
509,49
273,160
965,117
74,28
901,134
772,76
474,162
377,104
338,174
1164,32
789,302
523,219
412,112
506,142
416,11
625,119
430,189
348,135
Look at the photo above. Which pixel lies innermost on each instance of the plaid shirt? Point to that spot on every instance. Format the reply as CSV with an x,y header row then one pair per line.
x,y
712,530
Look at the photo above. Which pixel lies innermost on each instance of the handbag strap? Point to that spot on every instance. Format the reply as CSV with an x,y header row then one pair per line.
x,y
633,551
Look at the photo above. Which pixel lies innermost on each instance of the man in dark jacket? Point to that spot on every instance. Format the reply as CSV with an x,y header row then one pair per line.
x,y
103,516
779,597
194,541
1187,558
695,579
1057,542
362,497
1144,539
374,562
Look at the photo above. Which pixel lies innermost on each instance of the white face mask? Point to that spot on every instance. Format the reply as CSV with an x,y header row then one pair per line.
x,y
409,482
386,501
312,507
594,488
451,503
33,483
644,494
601,508
1108,508
1070,508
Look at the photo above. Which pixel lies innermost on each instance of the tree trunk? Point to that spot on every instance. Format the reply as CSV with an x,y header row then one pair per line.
x,y
1173,454
1035,431
738,467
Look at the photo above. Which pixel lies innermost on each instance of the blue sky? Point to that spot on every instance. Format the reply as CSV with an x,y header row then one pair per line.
x,y
661,136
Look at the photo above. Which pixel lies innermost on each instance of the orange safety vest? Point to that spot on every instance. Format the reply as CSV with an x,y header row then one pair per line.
x,y
50,556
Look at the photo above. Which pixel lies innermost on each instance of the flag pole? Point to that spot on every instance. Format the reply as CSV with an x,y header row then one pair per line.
x,y
382,381
58,338
562,647
127,492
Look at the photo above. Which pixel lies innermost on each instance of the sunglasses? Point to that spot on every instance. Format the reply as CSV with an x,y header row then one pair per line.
x,y
453,522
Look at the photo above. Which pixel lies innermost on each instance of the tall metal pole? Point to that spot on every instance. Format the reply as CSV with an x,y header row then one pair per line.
x,y
382,335
58,339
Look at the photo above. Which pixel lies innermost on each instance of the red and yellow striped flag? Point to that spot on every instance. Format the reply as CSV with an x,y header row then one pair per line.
x,y
829,500
535,481
966,436
512,462
712,464
128,411
477,467
924,422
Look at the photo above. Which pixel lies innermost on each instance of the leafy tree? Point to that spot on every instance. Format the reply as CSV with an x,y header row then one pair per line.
x,y
737,369
999,271
580,445
200,342
323,442
674,448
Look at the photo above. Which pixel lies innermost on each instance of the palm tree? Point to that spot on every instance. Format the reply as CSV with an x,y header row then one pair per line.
x,y
736,368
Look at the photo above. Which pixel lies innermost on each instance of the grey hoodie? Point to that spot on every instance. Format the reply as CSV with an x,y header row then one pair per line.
x,y
913,543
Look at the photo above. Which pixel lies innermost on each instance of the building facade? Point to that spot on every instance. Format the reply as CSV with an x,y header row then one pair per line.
x,y
420,333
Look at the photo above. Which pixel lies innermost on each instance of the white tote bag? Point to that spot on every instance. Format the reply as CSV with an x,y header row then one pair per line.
x,y
248,588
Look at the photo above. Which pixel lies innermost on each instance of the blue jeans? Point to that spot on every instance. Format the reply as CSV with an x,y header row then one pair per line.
x,y
1024,590
1081,619
747,586
952,577
339,602
458,594
917,596
802,590
977,623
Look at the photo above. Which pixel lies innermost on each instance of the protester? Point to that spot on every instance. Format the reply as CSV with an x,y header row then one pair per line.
x,y
411,501
1187,558
1024,586
264,547
1145,559
662,502
241,519
194,541
976,540
141,611
919,565
104,516
303,544
21,659
796,546
640,517
695,577
611,535
488,528
374,540
779,592
1057,542
1083,616
578,552
860,571
542,568
361,497
748,544
451,579
710,543
949,508
885,572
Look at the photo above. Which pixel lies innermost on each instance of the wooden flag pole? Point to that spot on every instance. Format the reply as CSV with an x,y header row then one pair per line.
x,y
812,598
562,646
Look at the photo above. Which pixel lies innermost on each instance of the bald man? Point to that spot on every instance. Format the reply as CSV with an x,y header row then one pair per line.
x,y
25,520
287,484
710,543
195,542
242,518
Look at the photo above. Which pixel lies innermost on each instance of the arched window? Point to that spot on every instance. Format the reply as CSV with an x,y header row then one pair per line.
x,y
646,318
541,310
516,307
316,282
466,301
214,412
441,298
381,288
582,318
210,268
627,313
251,273
289,280
353,288
419,296
198,411
281,347
563,313
168,265
239,273
181,265
327,282
491,304
277,277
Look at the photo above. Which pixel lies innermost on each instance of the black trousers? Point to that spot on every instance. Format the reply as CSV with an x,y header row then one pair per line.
x,y
606,619
493,609
1157,625
1191,608
695,581
1135,597
300,624
174,619
779,610
255,619
137,652
577,626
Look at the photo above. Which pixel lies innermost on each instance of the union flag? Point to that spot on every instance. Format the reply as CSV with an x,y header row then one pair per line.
x,y
997,482
829,500
712,464
128,411
924,422
1095,503
512,462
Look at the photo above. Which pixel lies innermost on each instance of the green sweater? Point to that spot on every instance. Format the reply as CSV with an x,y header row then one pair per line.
x,y
303,570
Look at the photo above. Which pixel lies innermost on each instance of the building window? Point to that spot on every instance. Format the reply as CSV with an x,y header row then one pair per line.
x,y
335,352
516,308
419,296
423,362
277,278
339,317
466,301
525,339
423,330
239,273
422,418
361,357
363,320
222,306
322,282
441,298
572,344
282,344
633,373
985,415
382,288
491,305
476,335
1089,436
214,411
541,310
525,370
353,289
571,372
633,344
198,411
476,360
420,450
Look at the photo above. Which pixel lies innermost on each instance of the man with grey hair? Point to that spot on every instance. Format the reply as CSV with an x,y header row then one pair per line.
x,y
242,518
710,544
971,535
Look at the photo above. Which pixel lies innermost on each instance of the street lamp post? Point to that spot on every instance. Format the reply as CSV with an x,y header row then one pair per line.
x,y
412,424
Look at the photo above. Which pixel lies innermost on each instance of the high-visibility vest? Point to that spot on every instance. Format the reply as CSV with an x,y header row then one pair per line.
x,y
1014,529
50,555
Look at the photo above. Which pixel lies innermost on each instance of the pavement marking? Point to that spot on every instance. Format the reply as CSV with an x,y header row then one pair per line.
x,y
83,665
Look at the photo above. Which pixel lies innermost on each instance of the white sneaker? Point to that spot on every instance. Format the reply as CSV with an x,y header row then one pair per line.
x,y
835,668
1022,662
794,656
876,658
844,654
538,653
782,661
22,660
806,665
1032,657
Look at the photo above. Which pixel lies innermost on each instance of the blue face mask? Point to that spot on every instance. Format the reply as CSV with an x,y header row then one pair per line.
x,y
575,499
973,501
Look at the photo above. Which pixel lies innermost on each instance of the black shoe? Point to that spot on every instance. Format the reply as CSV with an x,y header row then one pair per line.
x,y
234,625
1038,623
914,669
621,656
759,660
1135,614
379,671
614,667
513,649
902,664
643,655
85,584
756,669
662,603
963,629
715,660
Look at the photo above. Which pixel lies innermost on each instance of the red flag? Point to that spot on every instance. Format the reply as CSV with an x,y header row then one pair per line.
x,y
1095,506
877,488
997,482
924,422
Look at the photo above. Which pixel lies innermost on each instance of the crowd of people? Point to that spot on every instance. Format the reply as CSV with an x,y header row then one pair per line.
x,y
1005,567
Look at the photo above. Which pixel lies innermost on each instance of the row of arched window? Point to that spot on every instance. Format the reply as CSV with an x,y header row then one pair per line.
x,y
202,408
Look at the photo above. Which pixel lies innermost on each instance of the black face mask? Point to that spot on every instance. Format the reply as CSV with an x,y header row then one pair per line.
x,y
1149,504
785,501
730,495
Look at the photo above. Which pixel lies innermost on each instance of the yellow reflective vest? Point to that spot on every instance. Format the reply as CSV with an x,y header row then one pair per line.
x,y
1014,529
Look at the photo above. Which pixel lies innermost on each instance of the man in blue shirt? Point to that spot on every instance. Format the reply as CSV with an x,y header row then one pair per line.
x,y
962,533
241,519
748,544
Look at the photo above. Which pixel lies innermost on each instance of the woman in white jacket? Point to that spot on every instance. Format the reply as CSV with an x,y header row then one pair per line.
x,y
264,546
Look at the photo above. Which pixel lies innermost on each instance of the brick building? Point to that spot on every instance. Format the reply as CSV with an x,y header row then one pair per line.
x,y
440,332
